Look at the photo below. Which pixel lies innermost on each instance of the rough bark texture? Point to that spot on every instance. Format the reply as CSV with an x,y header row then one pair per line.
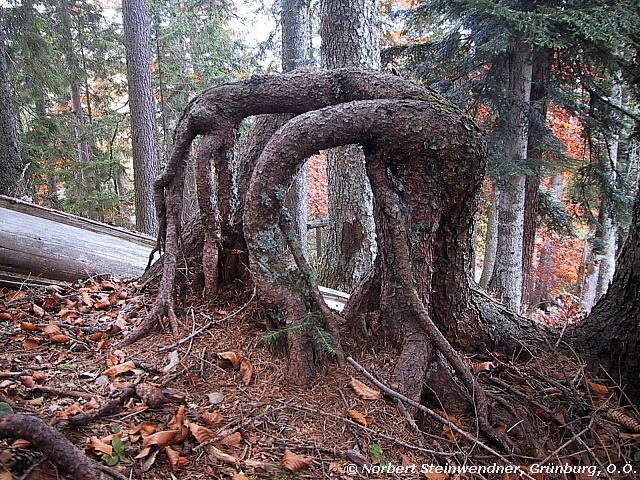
x,y
217,113
53,444
11,175
146,161
610,336
350,35
425,215
508,277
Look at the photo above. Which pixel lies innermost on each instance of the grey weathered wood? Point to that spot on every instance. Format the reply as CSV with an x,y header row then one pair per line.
x,y
40,242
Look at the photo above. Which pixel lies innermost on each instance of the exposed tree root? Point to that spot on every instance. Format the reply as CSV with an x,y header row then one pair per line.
x,y
432,414
216,114
60,451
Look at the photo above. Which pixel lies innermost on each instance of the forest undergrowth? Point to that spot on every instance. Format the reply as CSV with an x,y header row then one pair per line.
x,y
215,403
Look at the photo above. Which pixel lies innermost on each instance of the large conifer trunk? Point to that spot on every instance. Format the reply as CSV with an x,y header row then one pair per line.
x,y
610,336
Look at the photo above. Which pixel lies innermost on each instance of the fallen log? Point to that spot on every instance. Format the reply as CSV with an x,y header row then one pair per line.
x,y
38,244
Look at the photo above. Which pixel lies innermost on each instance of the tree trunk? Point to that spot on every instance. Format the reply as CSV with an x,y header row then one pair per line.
x,y
350,37
216,114
146,162
508,276
608,228
11,167
610,336
491,240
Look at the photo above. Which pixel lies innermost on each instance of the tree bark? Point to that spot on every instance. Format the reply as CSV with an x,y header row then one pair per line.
x,y
11,166
508,276
146,161
350,35
610,336
491,240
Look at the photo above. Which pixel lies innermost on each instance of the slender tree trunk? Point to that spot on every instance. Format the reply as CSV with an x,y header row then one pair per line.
x,y
350,37
508,276
11,166
546,262
539,101
295,47
608,234
491,240
143,112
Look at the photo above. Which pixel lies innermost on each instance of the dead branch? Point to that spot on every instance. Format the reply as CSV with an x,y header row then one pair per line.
x,y
60,451
111,407
433,414
375,432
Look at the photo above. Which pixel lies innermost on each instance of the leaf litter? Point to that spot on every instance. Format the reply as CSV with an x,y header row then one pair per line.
x,y
59,361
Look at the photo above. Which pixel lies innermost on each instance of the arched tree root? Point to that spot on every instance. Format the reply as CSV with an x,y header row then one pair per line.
x,y
60,451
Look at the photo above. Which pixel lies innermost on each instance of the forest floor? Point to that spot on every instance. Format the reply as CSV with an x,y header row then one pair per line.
x,y
218,405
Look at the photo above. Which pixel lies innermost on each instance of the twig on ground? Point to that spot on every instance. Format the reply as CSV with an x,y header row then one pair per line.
x,y
433,414
209,325
374,432
109,408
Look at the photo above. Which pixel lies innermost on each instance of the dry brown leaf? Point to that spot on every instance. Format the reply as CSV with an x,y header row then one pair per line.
x,y
28,326
483,367
120,368
99,446
246,370
52,329
107,285
201,433
430,473
6,476
597,390
236,476
60,338
96,336
5,316
177,423
103,343
364,391
30,343
38,310
27,381
100,304
143,428
39,376
175,460
356,416
85,297
212,419
232,440
232,357
162,439
220,455
293,462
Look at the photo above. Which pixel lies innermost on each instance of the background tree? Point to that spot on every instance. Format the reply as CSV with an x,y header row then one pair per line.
x,y
146,162
350,33
11,166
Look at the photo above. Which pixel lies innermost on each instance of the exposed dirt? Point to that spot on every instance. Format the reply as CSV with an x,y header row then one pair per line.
x,y
59,360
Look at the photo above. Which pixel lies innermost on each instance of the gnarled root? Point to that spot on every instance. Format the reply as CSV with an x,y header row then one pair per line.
x,y
60,451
